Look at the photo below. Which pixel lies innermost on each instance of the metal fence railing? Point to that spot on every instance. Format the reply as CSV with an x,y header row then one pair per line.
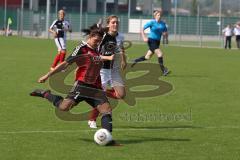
x,y
190,30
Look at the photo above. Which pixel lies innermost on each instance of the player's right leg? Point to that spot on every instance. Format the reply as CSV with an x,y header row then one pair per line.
x,y
105,79
55,61
106,111
117,84
62,55
230,42
58,101
152,45
97,99
238,41
164,69
63,51
61,46
117,92
225,42
142,58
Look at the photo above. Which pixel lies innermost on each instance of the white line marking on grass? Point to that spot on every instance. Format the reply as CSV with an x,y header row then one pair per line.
x,y
46,131
121,129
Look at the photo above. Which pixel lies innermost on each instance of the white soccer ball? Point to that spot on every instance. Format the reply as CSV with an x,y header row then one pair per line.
x,y
102,137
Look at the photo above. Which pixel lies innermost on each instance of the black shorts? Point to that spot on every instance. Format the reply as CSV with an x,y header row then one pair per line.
x,y
153,44
88,93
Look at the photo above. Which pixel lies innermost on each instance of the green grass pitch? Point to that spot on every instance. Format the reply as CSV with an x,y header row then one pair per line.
x,y
198,119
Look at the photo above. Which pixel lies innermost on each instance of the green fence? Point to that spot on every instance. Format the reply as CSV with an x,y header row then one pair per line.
x,y
186,25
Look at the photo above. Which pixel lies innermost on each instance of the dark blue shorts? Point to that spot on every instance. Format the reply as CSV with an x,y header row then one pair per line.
x,y
153,44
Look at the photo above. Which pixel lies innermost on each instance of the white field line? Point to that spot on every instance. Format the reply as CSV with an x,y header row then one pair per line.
x,y
118,129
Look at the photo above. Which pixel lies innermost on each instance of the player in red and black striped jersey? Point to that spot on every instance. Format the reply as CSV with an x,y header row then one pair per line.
x,y
87,86
112,43
89,64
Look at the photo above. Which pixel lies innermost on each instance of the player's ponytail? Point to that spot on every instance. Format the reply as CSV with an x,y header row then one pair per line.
x,y
96,32
95,26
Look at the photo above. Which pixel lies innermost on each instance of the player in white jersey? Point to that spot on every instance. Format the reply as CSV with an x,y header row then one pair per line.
x,y
236,32
227,33
59,29
119,63
112,76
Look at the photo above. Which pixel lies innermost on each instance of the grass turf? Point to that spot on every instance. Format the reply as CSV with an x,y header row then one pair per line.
x,y
206,90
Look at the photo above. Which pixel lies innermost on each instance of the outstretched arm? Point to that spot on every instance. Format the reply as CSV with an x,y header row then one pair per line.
x,y
52,29
107,58
57,69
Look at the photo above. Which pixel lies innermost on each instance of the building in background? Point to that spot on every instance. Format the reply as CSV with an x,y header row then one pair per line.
x,y
94,6
11,3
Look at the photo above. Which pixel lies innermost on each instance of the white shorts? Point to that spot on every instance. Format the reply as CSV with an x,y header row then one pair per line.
x,y
111,77
60,43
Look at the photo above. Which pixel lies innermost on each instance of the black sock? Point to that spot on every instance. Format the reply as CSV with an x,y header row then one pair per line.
x,y
107,121
55,99
140,59
160,61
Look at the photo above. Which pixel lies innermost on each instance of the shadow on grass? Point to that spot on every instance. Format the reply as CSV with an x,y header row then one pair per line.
x,y
187,76
138,139
159,127
151,139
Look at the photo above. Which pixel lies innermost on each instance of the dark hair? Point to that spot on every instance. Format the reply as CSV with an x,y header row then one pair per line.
x,y
96,32
88,30
95,26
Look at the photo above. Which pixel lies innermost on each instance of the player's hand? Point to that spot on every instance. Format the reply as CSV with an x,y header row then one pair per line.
x,y
145,39
43,79
111,57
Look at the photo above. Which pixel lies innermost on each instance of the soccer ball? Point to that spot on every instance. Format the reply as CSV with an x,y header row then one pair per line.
x,y
102,137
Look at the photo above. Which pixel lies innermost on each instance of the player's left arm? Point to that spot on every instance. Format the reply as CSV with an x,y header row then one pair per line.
x,y
147,25
122,53
71,59
107,58
57,69
123,60
68,27
165,30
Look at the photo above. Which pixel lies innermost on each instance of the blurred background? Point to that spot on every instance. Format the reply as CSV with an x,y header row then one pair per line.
x,y
190,22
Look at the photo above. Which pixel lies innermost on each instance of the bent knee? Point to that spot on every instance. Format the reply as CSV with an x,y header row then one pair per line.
x,y
64,108
104,108
66,105
120,95
147,57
